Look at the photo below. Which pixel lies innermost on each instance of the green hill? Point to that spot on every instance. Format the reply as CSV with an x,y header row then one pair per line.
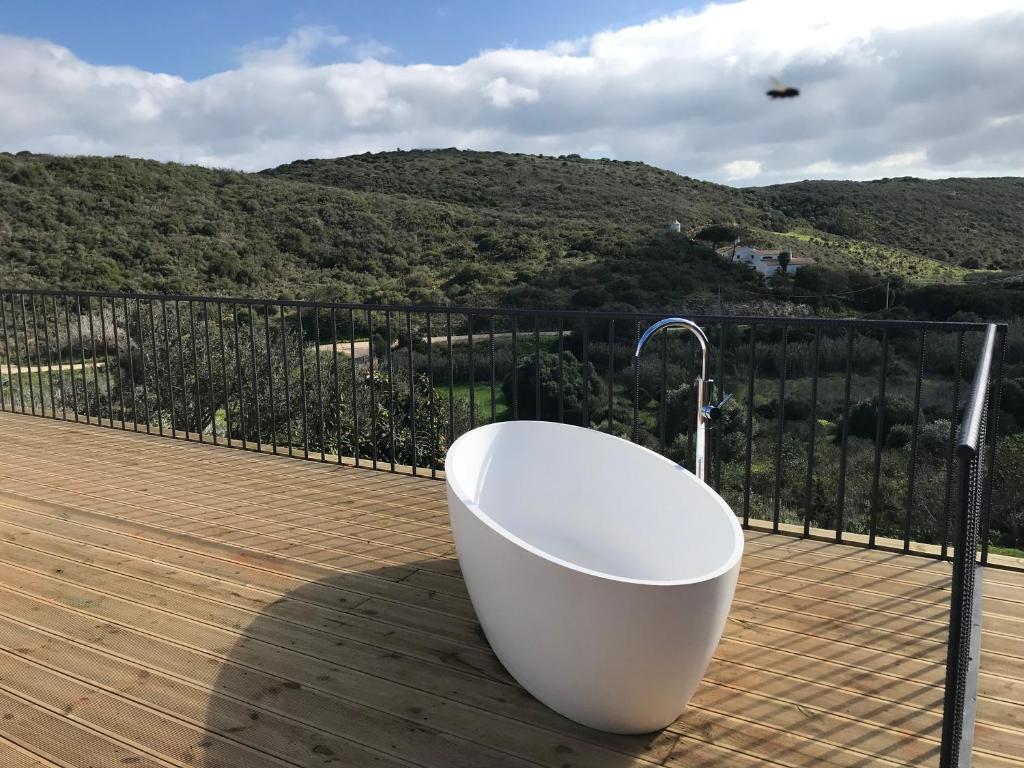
x,y
124,224
907,227
970,222
472,228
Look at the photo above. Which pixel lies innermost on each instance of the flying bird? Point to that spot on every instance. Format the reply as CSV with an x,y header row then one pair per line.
x,y
780,90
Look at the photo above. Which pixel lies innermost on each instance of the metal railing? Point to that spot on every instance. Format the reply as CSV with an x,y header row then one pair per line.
x,y
964,648
392,386
838,426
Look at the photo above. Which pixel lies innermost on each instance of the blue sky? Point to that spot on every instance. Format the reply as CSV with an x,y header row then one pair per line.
x,y
927,88
193,39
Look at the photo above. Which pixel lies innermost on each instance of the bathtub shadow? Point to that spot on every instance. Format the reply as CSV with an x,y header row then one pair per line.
x,y
389,665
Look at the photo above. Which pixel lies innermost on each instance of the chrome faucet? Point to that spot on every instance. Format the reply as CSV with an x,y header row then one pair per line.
x,y
706,412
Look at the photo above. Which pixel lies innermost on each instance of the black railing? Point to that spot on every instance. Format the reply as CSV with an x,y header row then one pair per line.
x,y
827,413
842,428
964,650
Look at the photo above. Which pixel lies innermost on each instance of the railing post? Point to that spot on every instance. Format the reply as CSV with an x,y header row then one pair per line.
x,y
963,649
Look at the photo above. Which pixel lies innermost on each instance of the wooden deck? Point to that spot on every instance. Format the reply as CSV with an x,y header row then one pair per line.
x,y
170,604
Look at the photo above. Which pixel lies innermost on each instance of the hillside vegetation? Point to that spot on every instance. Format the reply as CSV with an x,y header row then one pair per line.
x,y
119,223
481,228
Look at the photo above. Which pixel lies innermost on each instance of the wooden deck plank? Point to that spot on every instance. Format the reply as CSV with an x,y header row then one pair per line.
x,y
219,575
13,756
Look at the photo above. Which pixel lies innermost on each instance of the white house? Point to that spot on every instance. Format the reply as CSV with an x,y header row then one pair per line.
x,y
675,227
763,260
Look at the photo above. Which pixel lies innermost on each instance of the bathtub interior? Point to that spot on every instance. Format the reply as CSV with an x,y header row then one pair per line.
x,y
595,501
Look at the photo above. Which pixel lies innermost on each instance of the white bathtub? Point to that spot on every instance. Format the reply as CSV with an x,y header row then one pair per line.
x,y
601,572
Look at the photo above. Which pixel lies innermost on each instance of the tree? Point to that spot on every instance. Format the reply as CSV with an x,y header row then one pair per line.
x,y
784,258
718,233
569,386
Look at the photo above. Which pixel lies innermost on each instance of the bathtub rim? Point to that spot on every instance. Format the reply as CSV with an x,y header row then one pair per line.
x,y
721,507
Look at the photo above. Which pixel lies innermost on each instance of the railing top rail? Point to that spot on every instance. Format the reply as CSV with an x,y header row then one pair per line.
x,y
969,435
525,312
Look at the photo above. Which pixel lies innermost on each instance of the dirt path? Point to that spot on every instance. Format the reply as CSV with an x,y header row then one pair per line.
x,y
362,348
13,370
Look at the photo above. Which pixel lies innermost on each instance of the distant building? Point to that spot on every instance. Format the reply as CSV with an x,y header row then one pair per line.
x,y
765,261
675,227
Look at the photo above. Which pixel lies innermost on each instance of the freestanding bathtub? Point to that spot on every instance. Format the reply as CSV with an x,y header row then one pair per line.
x,y
601,572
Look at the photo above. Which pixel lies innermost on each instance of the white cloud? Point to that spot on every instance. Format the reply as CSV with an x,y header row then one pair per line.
x,y
295,50
923,88
504,94
739,170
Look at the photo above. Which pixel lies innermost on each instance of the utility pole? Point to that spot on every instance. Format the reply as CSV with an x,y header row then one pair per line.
x,y
886,294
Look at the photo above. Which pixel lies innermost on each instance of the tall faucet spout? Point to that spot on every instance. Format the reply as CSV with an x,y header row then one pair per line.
x,y
703,383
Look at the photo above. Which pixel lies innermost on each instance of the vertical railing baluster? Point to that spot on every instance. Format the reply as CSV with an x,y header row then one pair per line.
x,y
117,359
28,355
337,383
224,375
472,371
272,405
49,356
373,385
561,378
635,362
663,389
228,432
355,395
142,363
106,363
302,381
779,470
412,391
720,381
170,369
515,368
494,408
131,364
95,371
156,373
812,426
209,372
81,344
430,398
611,375
181,364
879,439
287,377
17,355
39,357
536,365
240,378
451,380
391,386
750,427
255,378
912,468
195,370
319,381
7,357
844,439
691,403
71,355
586,372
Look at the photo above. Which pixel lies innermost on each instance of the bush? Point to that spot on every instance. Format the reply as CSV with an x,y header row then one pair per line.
x,y
864,416
571,389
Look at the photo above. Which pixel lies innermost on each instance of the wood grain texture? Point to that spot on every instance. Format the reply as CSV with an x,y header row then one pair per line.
x,y
168,603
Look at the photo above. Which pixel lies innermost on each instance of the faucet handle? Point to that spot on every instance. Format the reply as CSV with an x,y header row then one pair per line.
x,y
714,412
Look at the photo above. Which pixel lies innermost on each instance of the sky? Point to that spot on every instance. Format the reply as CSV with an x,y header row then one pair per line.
x,y
888,87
